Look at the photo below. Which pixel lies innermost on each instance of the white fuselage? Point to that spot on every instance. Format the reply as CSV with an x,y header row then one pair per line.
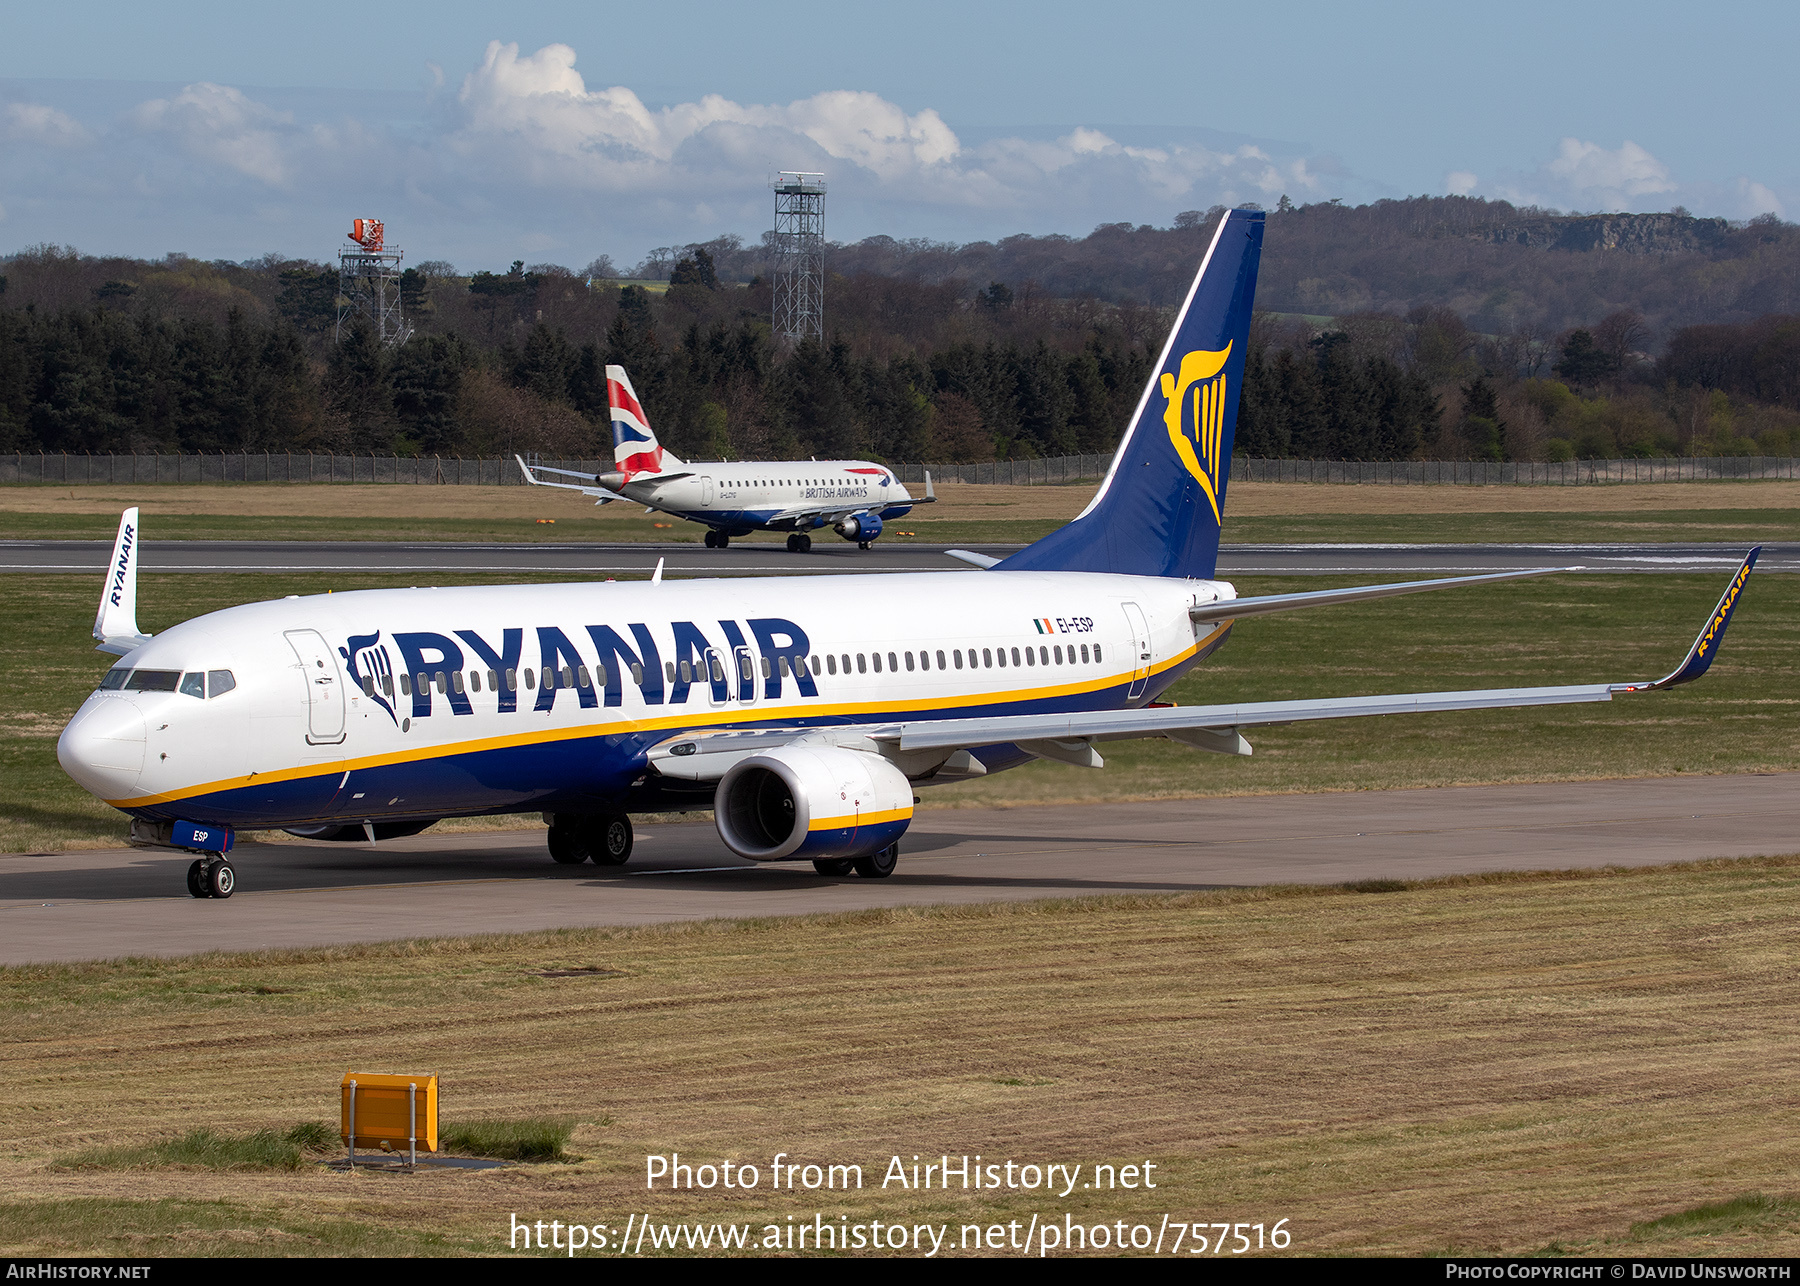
x,y
794,495
409,703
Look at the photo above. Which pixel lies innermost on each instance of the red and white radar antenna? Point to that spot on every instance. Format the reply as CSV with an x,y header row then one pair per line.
x,y
366,233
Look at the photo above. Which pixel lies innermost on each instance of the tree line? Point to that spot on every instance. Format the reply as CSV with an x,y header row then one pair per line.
x,y
178,355
134,370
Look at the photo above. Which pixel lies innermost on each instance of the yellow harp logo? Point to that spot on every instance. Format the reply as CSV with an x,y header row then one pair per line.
x,y
1196,417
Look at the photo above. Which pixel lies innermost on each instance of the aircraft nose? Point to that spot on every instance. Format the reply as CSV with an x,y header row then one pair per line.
x,y
103,747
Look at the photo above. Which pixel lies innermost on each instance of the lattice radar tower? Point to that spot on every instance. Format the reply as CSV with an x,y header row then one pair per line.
x,y
369,284
799,256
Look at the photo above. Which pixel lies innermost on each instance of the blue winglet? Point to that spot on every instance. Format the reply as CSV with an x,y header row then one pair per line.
x,y
1706,646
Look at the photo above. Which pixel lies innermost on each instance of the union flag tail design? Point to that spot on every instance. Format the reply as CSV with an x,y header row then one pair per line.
x,y
1159,510
635,448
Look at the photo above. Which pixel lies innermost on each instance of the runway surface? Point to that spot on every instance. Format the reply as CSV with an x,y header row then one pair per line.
x,y
835,558
89,905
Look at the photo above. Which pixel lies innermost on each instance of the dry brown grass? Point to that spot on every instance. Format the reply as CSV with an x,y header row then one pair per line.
x,y
1489,1064
956,501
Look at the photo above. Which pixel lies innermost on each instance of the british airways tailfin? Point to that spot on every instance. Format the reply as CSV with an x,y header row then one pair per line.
x,y
635,448
1158,511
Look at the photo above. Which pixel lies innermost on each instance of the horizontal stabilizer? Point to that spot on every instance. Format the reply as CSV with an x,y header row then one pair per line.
x,y
972,558
588,488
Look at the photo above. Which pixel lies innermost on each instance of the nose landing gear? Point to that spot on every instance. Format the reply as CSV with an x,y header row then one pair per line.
x,y
211,878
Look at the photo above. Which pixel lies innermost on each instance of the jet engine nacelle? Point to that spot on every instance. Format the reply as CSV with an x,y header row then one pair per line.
x,y
861,527
800,803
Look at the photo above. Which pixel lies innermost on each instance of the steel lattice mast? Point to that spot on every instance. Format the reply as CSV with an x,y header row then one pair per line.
x,y
799,256
369,284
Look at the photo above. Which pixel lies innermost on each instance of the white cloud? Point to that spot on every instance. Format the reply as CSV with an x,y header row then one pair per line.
x,y
1755,199
525,146
1615,180
219,123
535,115
36,123
1585,176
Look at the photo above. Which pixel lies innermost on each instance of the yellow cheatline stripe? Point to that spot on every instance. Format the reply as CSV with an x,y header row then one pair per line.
x,y
730,714
852,820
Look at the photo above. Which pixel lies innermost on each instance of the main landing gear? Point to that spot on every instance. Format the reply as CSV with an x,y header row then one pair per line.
x,y
718,539
876,866
211,877
799,543
604,839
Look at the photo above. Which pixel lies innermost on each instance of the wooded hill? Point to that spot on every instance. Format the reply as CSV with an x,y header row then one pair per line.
x,y
1443,327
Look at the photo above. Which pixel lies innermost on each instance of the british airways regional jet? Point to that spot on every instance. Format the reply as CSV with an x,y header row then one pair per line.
x,y
804,712
852,497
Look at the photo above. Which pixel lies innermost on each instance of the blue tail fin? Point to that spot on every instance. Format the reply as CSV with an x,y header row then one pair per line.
x,y
1158,512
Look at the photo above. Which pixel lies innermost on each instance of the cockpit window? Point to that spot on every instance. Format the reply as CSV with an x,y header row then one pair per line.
x,y
195,683
153,681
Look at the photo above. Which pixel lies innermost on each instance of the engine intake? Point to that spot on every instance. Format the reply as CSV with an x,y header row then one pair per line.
x,y
800,803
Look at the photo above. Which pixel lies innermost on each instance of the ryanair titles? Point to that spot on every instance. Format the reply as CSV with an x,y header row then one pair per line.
x,y
590,664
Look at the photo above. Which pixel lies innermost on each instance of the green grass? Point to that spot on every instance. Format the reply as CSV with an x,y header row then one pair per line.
x,y
1751,1212
1728,525
176,1227
1564,629
210,1150
536,1138
1731,526
1748,1221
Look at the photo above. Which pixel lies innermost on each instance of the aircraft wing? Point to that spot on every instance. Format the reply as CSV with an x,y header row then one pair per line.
x,y
830,513
1069,738
1231,609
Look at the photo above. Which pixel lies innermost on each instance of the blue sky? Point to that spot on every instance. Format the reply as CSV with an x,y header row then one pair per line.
x,y
559,132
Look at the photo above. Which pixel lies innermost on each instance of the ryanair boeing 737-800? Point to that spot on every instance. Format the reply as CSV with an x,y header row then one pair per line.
x,y
804,712
852,497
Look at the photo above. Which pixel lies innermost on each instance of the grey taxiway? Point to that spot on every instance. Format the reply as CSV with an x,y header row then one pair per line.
x,y
118,902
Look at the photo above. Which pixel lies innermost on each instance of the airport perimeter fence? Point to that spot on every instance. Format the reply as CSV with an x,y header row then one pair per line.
x,y
301,466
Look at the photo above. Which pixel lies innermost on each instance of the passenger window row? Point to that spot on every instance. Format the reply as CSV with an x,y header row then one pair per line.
x,y
690,672
985,659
